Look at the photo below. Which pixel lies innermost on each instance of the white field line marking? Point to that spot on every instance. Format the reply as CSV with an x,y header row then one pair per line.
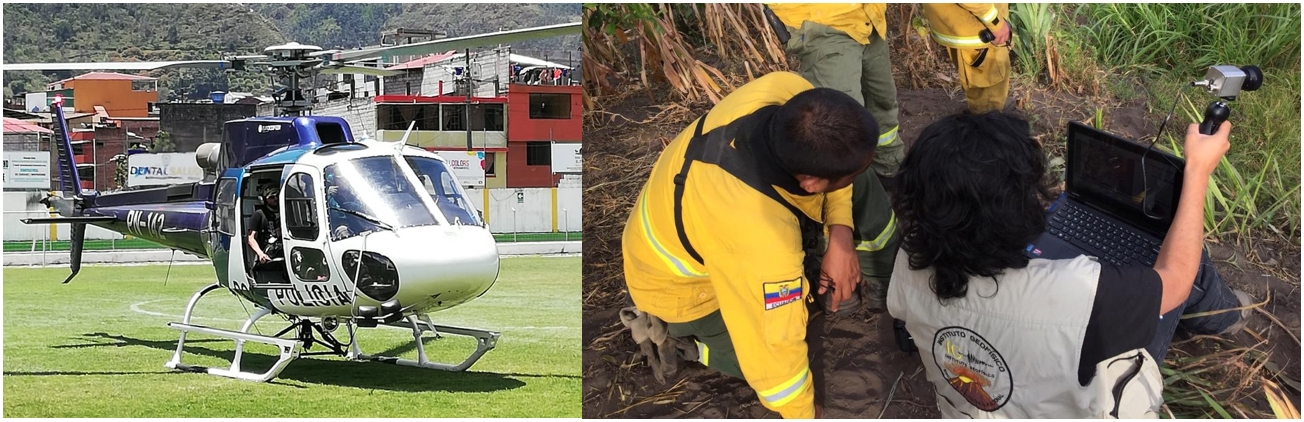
x,y
136,308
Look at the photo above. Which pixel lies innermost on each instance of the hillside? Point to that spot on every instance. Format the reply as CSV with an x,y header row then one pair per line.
x,y
134,32
332,25
138,32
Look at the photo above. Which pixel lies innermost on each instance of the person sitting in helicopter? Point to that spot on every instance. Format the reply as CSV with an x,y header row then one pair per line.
x,y
340,195
265,227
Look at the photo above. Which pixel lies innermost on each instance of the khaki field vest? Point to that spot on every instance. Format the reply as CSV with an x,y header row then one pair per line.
x,y
1010,348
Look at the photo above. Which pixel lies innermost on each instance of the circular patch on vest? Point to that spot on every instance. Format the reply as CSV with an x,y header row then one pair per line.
x,y
973,367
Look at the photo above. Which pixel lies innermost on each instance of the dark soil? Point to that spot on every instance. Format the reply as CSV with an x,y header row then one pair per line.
x,y
854,355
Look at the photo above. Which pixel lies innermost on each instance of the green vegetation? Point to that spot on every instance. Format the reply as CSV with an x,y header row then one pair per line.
x,y
1115,53
1158,49
351,25
1188,38
105,359
52,32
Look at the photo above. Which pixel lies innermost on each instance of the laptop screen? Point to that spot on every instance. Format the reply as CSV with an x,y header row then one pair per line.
x,y
1104,170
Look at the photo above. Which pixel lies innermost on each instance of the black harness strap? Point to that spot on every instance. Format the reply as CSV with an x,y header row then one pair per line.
x,y
714,148
695,147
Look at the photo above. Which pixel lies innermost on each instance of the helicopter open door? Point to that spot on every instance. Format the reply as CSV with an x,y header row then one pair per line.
x,y
304,228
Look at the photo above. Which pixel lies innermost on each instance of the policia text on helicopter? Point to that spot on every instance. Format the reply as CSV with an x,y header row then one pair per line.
x,y
728,235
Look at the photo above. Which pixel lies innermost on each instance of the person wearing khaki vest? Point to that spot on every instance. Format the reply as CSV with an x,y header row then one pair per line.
x,y
721,242
983,65
1004,336
842,46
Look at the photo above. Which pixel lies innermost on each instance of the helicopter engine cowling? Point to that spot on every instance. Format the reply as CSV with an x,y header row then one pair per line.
x,y
207,156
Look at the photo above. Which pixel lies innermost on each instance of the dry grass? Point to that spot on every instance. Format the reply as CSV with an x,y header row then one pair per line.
x,y
659,34
643,89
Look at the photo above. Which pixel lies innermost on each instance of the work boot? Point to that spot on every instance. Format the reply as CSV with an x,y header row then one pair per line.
x,y
1245,300
875,294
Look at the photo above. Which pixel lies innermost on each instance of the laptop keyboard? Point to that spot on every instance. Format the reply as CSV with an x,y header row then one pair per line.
x,y
1109,242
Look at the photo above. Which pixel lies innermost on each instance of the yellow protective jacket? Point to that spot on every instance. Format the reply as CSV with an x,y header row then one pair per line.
x,y
957,25
752,250
857,20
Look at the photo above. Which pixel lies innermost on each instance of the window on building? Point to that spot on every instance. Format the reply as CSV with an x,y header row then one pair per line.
x,y
550,106
489,158
145,85
538,153
454,116
398,117
494,117
487,117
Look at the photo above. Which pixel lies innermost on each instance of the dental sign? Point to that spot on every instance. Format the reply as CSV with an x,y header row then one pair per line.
x,y
468,166
163,169
26,170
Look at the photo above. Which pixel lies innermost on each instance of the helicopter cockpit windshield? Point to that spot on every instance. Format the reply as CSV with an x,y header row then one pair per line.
x,y
444,189
371,193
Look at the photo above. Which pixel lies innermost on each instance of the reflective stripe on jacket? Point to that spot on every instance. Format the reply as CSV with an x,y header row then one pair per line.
x,y
957,25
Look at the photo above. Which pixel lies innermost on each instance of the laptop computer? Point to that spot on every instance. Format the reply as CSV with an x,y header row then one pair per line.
x,y
1111,209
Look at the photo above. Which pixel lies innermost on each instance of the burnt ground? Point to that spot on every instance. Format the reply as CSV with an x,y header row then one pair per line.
x,y
856,359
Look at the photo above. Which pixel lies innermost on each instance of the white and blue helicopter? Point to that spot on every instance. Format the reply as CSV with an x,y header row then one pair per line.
x,y
372,233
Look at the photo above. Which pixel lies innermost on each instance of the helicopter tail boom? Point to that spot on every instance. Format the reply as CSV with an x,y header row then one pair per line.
x,y
69,179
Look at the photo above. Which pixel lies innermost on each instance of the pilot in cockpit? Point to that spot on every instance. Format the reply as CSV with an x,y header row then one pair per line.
x,y
341,195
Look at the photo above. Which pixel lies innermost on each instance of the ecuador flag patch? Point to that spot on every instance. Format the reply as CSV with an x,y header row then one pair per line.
x,y
781,293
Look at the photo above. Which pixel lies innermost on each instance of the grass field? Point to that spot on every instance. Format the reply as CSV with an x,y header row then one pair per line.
x,y
96,348
137,243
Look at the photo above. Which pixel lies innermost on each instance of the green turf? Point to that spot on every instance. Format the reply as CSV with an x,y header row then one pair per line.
x,y
136,243
79,350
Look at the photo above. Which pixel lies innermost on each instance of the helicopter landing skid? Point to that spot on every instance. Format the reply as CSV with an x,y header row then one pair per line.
x,y
485,341
289,348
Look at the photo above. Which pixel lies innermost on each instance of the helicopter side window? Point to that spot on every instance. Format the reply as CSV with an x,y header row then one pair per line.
x,y
225,211
330,133
301,208
309,264
445,190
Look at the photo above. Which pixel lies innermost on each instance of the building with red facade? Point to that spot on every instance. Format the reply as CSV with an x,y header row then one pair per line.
x,y
513,122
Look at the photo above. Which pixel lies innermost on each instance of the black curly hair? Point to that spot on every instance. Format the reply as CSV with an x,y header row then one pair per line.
x,y
971,195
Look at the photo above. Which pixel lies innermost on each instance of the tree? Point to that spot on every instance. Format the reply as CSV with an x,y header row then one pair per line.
x,y
163,143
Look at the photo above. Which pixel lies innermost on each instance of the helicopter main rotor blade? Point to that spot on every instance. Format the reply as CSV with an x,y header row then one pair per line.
x,y
360,70
471,41
212,64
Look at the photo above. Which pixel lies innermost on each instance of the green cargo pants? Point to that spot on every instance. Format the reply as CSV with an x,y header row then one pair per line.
x,y
831,59
715,348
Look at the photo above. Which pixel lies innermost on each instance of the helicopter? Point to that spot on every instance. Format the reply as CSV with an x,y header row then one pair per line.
x,y
372,233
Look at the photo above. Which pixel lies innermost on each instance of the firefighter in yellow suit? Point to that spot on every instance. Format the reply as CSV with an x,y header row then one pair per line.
x,y
717,243
983,66
843,46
